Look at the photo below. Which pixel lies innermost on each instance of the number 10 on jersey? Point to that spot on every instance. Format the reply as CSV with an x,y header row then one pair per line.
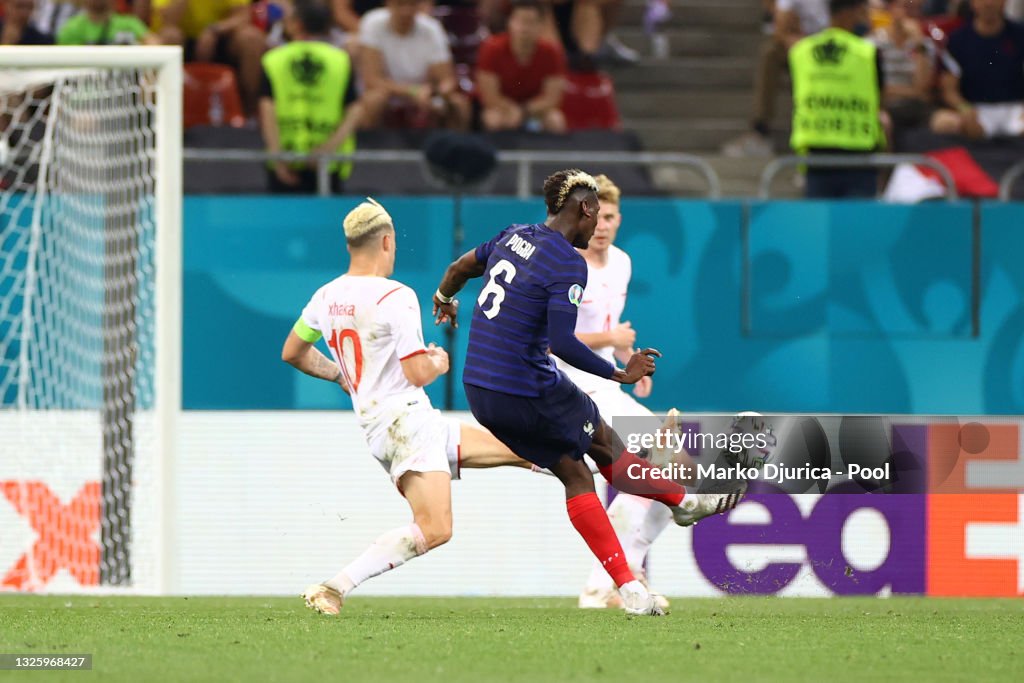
x,y
337,344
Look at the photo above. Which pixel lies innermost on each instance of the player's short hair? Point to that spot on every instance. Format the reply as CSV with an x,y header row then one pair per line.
x,y
837,6
365,222
560,185
314,15
607,191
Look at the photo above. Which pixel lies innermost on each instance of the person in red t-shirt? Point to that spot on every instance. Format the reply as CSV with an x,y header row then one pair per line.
x,y
520,77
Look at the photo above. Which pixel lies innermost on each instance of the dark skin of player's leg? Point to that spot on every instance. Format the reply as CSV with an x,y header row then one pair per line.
x,y
574,475
605,446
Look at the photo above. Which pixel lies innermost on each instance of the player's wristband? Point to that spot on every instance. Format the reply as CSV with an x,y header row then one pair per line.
x,y
442,298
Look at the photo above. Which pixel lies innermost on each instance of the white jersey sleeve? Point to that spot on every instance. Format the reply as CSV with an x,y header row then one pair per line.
x,y
370,324
401,312
604,299
311,312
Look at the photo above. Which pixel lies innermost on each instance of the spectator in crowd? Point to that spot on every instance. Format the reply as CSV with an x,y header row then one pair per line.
x,y
308,99
215,31
908,64
99,24
346,15
520,76
50,15
837,86
143,9
16,27
405,62
276,28
585,29
983,79
794,19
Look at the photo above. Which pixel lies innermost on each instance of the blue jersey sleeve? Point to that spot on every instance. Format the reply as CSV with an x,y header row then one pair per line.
x,y
483,252
565,294
567,346
565,290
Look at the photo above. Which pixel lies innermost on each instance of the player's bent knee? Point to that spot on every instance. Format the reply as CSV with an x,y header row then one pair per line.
x,y
436,533
440,538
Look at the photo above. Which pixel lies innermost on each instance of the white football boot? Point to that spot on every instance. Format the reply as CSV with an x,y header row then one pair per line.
x,y
697,506
637,601
596,598
323,599
660,600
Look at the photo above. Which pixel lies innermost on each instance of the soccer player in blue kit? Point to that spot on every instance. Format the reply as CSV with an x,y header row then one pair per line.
x,y
535,283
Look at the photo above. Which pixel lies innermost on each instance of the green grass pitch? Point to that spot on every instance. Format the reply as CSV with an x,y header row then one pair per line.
x,y
528,640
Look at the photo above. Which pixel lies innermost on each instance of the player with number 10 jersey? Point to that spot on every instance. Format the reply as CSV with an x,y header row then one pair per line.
x,y
374,332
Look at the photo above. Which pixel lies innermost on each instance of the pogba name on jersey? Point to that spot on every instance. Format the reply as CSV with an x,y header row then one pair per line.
x,y
521,247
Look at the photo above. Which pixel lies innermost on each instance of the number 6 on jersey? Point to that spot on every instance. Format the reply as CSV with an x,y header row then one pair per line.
x,y
508,272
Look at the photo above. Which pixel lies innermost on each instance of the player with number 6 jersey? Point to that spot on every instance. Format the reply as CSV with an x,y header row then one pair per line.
x,y
637,521
374,332
528,305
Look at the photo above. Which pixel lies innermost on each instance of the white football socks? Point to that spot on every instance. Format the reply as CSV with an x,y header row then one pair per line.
x,y
391,550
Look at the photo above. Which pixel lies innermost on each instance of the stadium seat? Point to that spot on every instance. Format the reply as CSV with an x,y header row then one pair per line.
x,y
465,32
211,96
589,102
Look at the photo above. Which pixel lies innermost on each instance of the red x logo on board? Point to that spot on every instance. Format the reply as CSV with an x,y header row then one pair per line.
x,y
65,534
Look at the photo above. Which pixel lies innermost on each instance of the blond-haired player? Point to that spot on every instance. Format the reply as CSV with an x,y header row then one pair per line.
x,y
599,325
372,326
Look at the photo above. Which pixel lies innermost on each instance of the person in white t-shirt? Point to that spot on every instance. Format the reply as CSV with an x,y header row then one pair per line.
x,y
599,325
406,63
372,326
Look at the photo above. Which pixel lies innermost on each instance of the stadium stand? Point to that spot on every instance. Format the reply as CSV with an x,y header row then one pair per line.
x,y
690,91
589,102
211,96
465,31
232,177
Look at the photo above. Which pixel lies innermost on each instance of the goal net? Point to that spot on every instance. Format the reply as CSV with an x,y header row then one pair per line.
x,y
87,378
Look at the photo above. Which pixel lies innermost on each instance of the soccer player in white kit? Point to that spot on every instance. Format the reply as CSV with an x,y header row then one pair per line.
x,y
373,328
599,325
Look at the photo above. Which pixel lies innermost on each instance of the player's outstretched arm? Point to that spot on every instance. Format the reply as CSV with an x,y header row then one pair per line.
x,y
640,365
461,271
564,343
305,357
621,338
423,368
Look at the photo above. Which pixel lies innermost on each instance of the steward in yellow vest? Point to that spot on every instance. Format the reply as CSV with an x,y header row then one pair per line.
x,y
837,100
308,103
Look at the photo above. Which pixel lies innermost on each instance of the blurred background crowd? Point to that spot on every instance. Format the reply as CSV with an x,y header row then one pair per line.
x,y
702,76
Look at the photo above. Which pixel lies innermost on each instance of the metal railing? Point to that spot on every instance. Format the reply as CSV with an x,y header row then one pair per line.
x,y
1010,179
524,160
851,161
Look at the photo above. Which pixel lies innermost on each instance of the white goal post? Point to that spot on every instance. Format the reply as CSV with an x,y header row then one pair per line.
x,y
90,316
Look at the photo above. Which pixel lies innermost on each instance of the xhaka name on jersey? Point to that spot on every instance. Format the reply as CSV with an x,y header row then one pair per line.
x,y
341,309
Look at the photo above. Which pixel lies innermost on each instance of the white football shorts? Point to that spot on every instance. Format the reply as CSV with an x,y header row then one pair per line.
x,y
421,440
615,402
